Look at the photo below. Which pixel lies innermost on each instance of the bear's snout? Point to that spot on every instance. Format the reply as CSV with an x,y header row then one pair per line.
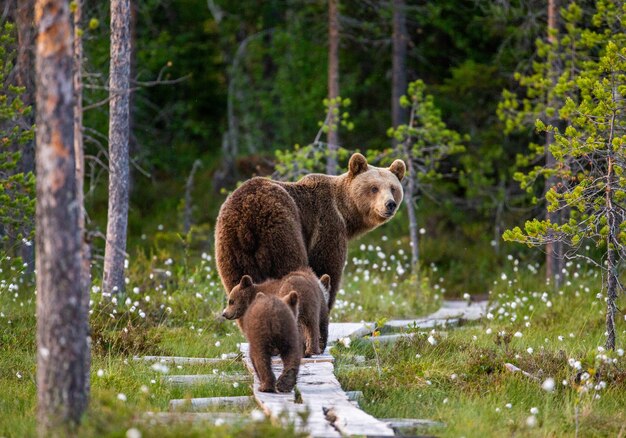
x,y
390,207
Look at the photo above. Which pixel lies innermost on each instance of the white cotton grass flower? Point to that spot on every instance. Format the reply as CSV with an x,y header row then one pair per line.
x,y
530,350
432,340
133,432
531,421
620,352
219,422
160,367
508,405
345,342
548,384
122,397
518,334
100,372
218,343
534,411
257,415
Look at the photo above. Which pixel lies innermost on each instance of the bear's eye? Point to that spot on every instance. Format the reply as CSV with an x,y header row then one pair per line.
x,y
374,189
393,189
231,302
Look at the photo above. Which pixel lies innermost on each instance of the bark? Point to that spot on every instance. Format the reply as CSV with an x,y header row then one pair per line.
x,y
398,68
62,346
333,83
85,274
24,77
188,189
117,223
611,258
553,249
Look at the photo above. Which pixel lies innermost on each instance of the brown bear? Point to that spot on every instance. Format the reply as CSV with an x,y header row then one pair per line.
x,y
267,229
312,303
269,324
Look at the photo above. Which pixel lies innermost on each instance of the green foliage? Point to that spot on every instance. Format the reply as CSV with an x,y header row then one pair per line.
x,y
426,140
17,189
292,164
589,152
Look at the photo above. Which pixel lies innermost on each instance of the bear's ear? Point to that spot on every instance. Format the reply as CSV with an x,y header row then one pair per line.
x,y
259,295
291,299
357,164
246,281
325,280
398,168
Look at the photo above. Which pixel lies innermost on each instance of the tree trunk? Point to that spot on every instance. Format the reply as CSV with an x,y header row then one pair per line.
x,y
612,242
553,249
333,84
62,345
117,223
187,212
85,275
409,199
25,78
398,68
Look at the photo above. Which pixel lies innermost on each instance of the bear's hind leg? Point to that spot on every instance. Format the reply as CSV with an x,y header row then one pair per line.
x,y
262,362
291,366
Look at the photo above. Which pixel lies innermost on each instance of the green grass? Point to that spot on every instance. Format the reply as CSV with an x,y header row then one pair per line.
x,y
173,308
462,381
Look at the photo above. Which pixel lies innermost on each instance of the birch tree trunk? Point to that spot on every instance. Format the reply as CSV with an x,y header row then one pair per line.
x,y
333,84
24,77
553,249
398,67
62,346
117,223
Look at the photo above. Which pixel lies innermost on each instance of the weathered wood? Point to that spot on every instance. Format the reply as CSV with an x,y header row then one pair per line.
x,y
198,379
216,418
320,393
178,360
354,395
62,319
449,314
410,423
339,330
206,402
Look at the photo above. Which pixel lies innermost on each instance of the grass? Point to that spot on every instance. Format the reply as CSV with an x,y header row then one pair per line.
x,y
172,307
461,380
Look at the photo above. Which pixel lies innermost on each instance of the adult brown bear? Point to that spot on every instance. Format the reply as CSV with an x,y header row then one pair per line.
x,y
266,229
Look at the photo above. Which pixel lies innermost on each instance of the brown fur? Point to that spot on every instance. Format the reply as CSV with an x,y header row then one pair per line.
x,y
312,303
269,324
267,229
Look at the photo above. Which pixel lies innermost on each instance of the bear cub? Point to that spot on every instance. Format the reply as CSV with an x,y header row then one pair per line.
x,y
269,324
313,296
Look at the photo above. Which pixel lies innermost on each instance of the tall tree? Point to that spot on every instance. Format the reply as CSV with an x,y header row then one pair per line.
x,y
553,249
398,63
24,77
424,142
62,326
333,85
119,117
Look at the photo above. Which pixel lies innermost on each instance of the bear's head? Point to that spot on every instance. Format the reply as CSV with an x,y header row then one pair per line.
x,y
240,298
376,191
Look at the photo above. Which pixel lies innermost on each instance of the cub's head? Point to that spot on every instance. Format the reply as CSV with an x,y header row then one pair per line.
x,y
240,298
376,191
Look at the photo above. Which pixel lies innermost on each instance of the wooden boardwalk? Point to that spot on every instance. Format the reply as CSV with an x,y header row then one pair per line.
x,y
319,406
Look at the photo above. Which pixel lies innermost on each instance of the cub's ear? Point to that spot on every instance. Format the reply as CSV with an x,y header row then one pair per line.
x,y
325,280
259,295
246,281
291,299
357,164
398,168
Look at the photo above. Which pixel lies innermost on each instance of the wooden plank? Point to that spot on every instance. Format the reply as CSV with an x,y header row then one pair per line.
x,y
197,379
178,360
203,403
450,313
215,418
325,357
323,398
282,407
320,391
412,423
338,330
